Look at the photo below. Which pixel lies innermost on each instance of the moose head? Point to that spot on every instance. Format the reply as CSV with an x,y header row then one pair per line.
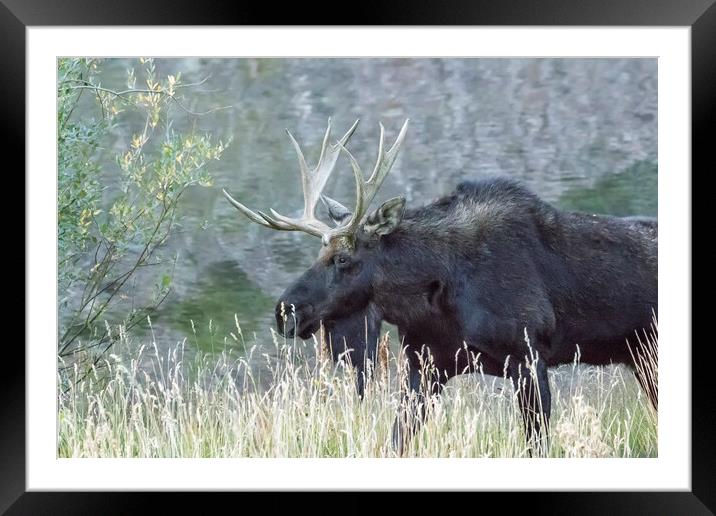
x,y
338,287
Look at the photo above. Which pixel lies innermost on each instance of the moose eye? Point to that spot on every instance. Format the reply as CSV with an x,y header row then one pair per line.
x,y
341,260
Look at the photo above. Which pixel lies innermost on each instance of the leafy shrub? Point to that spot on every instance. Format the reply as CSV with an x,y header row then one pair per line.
x,y
112,221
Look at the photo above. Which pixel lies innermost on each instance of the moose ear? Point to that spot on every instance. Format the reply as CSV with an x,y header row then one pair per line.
x,y
336,211
386,218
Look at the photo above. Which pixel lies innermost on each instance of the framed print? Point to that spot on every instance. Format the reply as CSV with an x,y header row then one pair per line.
x,y
183,336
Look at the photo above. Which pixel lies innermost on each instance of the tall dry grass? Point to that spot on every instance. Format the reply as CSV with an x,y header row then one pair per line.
x,y
145,403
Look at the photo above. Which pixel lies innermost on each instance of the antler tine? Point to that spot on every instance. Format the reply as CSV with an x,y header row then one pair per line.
x,y
379,159
367,190
324,168
315,180
312,181
259,218
299,152
383,163
325,141
386,160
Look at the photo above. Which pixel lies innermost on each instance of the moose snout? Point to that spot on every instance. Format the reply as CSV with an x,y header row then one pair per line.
x,y
290,318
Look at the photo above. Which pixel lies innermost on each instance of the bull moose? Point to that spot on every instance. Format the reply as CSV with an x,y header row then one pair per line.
x,y
490,268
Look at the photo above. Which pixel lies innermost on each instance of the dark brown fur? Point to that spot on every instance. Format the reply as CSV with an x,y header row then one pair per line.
x,y
489,268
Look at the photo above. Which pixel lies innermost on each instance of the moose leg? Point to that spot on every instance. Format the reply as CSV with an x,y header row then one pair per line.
x,y
413,409
371,334
369,341
355,338
535,402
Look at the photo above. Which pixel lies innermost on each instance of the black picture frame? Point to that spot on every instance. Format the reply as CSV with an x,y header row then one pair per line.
x,y
700,15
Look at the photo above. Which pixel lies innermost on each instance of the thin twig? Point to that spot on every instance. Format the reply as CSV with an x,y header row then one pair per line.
x,y
89,86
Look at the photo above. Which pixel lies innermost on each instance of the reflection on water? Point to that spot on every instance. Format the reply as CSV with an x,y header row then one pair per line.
x,y
205,313
581,133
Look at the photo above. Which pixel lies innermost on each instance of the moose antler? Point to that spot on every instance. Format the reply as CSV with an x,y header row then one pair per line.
x,y
366,190
313,182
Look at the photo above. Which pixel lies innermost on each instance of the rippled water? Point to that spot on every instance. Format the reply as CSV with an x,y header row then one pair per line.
x,y
582,133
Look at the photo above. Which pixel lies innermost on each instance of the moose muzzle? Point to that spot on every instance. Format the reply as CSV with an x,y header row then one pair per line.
x,y
292,320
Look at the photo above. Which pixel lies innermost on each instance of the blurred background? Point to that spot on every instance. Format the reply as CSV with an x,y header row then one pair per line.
x,y
581,133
